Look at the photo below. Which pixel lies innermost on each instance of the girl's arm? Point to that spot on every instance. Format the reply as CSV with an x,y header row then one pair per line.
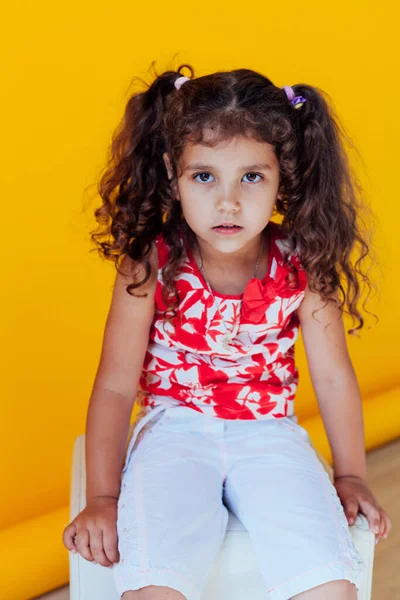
x,y
125,342
335,383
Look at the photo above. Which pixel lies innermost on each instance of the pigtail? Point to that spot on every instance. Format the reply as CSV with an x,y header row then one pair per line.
x,y
323,213
134,187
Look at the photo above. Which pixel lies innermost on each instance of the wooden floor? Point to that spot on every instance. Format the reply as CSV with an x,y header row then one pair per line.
x,y
384,480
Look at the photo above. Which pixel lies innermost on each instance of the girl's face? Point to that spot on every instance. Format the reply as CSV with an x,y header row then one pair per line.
x,y
234,182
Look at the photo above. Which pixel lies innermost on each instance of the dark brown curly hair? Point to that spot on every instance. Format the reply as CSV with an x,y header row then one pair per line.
x,y
321,197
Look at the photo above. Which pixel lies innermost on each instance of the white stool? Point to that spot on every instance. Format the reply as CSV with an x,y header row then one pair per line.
x,y
235,574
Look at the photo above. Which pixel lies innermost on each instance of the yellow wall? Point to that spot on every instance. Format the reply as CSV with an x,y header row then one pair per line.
x,y
66,72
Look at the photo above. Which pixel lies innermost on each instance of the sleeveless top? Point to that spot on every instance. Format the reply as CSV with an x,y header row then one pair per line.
x,y
220,356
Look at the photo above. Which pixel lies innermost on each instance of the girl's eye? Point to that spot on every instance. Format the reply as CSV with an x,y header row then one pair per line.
x,y
256,174
197,174
205,173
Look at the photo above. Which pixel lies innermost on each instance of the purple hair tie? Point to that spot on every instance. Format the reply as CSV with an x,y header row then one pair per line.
x,y
296,101
180,81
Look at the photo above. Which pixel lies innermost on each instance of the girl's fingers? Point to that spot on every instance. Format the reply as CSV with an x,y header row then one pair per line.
x,y
110,543
68,537
374,518
387,523
351,510
96,547
82,544
382,527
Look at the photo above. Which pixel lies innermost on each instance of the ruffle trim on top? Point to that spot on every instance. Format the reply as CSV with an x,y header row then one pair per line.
x,y
289,279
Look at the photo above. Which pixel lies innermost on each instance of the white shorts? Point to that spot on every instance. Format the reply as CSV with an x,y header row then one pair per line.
x,y
185,469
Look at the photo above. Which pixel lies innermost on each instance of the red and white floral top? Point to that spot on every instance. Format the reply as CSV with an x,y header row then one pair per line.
x,y
221,356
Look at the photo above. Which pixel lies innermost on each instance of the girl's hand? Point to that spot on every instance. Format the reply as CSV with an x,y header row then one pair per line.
x,y
93,532
356,497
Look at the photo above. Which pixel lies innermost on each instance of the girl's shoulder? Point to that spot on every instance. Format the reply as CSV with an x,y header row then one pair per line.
x,y
134,271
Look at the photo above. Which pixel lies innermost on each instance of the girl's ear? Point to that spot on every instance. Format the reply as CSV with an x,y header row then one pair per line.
x,y
281,194
167,164
169,170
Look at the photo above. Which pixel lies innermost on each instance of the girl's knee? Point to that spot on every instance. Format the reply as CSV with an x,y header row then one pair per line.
x,y
153,592
341,589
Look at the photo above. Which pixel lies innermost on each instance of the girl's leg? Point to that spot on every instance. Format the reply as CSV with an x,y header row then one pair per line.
x,y
283,496
171,519
334,590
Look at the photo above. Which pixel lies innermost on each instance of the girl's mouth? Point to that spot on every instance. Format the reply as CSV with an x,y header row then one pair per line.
x,y
228,229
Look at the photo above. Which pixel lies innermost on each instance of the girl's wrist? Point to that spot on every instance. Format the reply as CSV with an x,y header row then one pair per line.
x,y
336,477
100,497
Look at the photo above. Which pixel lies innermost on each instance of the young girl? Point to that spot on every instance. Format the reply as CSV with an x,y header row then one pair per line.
x,y
206,344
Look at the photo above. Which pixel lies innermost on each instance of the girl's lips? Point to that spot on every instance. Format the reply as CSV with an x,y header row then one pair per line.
x,y
227,230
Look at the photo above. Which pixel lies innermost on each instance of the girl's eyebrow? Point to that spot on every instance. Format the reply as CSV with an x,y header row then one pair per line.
x,y
196,166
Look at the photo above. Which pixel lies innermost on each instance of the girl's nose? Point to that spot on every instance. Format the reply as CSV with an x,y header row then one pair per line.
x,y
228,203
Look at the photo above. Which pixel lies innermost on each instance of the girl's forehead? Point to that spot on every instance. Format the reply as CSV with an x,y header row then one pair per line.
x,y
233,149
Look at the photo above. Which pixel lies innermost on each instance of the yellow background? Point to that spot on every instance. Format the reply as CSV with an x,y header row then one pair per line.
x,y
66,73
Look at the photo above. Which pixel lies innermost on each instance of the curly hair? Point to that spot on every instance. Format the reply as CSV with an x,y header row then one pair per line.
x,y
321,197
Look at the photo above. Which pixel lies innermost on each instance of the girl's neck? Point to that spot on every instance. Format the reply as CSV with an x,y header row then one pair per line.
x,y
231,275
